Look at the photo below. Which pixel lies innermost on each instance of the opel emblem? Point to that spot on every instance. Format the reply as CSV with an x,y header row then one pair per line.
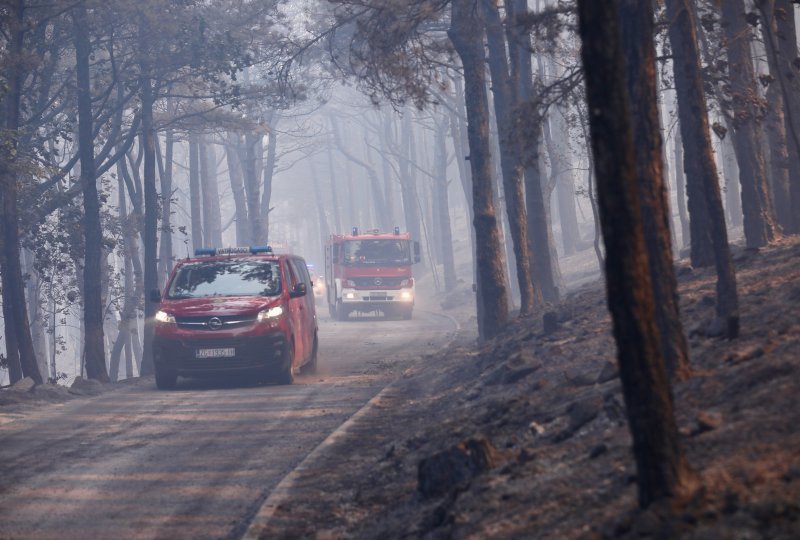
x,y
214,323
378,281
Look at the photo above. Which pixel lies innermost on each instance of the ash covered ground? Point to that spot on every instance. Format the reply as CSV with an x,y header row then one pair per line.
x,y
525,436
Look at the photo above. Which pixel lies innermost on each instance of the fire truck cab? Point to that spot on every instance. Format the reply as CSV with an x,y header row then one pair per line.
x,y
370,272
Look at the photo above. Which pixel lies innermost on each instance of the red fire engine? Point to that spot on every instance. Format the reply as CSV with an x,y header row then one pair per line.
x,y
370,272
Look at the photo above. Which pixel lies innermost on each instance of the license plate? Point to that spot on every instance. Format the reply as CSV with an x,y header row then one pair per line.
x,y
215,353
377,294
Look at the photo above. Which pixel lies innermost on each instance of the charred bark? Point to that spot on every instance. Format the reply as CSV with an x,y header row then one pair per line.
x,y
544,266
94,345
512,169
441,186
637,42
237,189
212,220
759,223
701,170
269,173
18,335
150,239
466,34
780,37
680,189
195,194
165,175
662,470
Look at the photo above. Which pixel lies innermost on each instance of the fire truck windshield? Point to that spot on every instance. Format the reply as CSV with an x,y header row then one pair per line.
x,y
226,278
376,252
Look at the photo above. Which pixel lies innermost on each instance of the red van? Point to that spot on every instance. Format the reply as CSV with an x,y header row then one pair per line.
x,y
235,310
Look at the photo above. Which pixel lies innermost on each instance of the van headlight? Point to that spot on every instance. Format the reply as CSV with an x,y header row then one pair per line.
x,y
270,314
163,317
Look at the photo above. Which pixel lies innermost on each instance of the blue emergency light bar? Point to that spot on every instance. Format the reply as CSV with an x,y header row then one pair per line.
x,y
210,252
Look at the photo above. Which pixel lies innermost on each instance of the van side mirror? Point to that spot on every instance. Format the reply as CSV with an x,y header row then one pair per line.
x,y
298,290
417,258
155,296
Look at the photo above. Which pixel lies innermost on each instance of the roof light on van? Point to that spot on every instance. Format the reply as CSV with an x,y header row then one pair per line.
x,y
210,252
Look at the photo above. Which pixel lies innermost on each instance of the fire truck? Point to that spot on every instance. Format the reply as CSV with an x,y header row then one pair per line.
x,y
370,272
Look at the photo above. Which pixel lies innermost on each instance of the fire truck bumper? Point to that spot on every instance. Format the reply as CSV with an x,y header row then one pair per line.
x,y
371,300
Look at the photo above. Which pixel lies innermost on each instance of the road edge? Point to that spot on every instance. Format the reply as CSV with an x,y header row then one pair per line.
x,y
280,493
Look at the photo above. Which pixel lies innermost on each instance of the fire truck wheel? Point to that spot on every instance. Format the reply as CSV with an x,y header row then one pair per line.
x,y
407,314
311,365
286,372
165,380
341,313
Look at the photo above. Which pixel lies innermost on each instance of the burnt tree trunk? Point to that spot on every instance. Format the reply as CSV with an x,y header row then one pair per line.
x,y
443,214
544,266
701,170
759,225
512,170
662,470
408,178
680,189
780,36
466,34
250,154
565,182
195,194
637,42
237,189
269,174
165,175
94,345
775,132
20,343
150,239
730,174
212,220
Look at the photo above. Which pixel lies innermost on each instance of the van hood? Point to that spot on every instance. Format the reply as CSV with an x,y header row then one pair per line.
x,y
219,305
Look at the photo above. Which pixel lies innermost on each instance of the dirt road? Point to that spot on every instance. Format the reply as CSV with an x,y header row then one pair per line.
x,y
197,462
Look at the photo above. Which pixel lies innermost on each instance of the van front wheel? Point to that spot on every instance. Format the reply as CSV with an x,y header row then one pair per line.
x,y
286,373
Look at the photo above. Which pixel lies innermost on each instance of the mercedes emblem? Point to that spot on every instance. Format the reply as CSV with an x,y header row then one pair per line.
x,y
378,281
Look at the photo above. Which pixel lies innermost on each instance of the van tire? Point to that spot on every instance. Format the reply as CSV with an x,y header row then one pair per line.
x,y
165,379
286,373
341,312
311,365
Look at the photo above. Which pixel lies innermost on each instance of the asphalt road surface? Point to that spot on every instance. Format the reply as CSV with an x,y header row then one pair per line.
x,y
199,461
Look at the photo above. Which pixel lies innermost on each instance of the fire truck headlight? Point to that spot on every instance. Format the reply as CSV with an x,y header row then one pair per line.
x,y
270,314
350,296
162,317
406,296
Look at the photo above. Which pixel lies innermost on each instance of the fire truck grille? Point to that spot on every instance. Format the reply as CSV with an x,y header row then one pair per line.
x,y
378,282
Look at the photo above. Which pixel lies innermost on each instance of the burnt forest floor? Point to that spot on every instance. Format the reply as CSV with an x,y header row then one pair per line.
x,y
525,436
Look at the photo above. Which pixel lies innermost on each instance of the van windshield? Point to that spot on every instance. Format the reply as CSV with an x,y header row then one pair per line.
x,y
376,252
226,278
